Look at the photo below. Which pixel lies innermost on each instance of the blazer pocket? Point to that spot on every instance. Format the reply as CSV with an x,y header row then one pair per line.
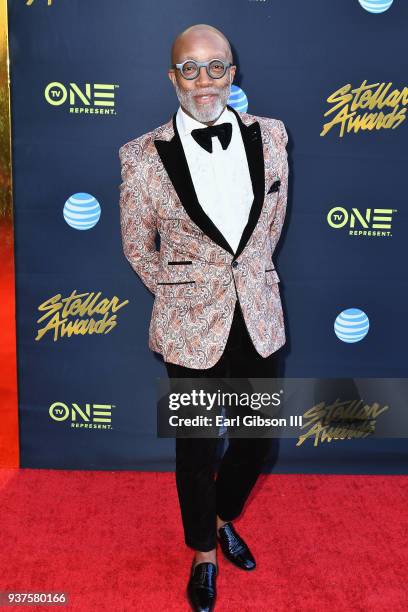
x,y
271,276
179,263
176,289
275,186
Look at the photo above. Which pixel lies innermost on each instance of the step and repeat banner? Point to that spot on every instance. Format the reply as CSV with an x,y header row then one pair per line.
x,y
87,77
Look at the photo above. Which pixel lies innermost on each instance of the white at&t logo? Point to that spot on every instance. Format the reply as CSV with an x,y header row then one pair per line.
x,y
351,325
368,222
90,416
376,6
91,98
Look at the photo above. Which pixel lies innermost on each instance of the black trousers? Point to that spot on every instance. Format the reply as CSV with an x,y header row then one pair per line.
x,y
201,496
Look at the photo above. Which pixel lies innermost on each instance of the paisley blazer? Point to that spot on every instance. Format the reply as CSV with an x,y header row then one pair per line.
x,y
195,275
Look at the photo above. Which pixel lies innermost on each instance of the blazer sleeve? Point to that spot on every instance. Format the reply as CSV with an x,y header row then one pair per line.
x,y
138,217
281,139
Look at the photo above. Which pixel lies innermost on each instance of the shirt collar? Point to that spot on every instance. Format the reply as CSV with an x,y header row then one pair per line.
x,y
186,124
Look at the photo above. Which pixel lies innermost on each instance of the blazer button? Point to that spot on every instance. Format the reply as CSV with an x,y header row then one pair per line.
x,y
234,264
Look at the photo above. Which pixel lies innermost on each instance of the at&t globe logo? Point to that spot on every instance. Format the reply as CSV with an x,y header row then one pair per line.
x,y
238,99
376,6
82,211
351,325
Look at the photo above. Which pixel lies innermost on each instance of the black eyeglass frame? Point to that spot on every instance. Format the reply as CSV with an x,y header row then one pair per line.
x,y
199,65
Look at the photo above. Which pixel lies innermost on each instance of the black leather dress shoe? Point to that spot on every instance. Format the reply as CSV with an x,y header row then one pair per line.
x,y
234,547
201,587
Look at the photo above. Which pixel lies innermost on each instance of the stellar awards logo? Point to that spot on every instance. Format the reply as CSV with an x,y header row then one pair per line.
x,y
365,108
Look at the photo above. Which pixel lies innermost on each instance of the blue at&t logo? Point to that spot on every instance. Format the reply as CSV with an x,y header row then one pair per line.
x,y
82,211
351,325
376,6
238,99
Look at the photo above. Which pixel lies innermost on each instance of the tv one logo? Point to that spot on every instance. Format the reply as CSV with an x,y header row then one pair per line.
x,y
89,416
375,222
91,98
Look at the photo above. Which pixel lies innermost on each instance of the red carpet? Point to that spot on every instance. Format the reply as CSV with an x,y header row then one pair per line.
x,y
9,452
113,541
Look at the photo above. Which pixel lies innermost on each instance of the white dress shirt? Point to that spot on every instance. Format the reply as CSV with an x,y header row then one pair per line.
x,y
221,179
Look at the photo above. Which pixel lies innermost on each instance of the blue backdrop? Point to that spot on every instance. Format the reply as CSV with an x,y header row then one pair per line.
x,y
86,77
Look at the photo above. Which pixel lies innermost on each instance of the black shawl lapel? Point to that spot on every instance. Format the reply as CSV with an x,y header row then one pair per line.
x,y
252,138
172,155
174,160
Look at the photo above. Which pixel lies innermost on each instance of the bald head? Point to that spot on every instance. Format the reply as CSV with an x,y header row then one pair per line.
x,y
200,36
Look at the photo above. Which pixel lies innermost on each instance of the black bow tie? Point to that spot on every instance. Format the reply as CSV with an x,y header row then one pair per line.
x,y
203,135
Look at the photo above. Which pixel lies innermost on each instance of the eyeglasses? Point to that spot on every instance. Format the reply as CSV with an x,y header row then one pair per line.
x,y
190,69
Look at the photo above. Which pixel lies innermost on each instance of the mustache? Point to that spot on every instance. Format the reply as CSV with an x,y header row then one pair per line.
x,y
206,93
202,92
191,95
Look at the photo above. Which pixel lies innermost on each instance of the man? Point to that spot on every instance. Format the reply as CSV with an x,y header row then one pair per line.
x,y
213,182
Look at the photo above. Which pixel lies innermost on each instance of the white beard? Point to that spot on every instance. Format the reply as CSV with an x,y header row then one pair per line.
x,y
209,112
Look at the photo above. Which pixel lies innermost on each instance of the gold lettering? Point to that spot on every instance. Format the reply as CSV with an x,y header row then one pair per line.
x,y
372,96
58,310
29,2
323,421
